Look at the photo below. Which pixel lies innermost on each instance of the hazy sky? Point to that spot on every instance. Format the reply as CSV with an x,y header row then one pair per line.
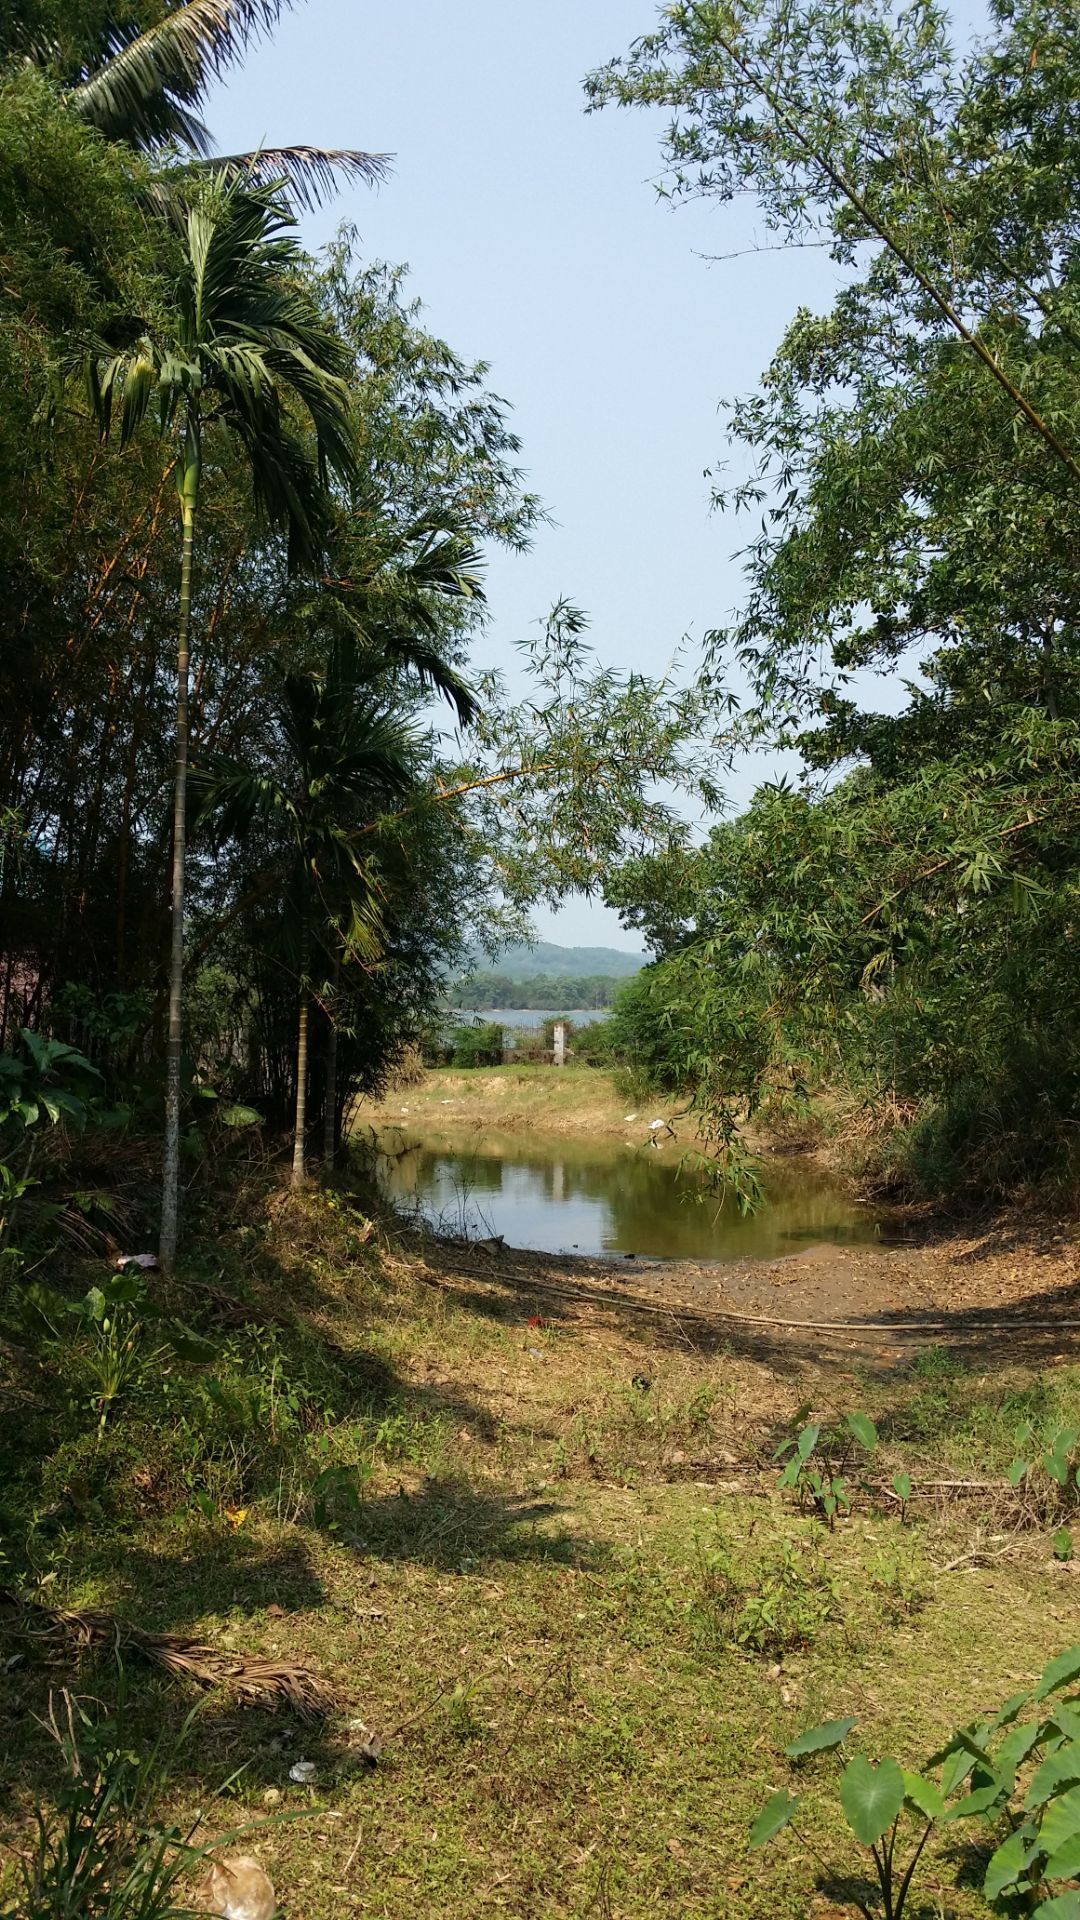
x,y
536,241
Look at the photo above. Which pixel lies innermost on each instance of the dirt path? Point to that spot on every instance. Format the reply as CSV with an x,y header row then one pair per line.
x,y
1009,1292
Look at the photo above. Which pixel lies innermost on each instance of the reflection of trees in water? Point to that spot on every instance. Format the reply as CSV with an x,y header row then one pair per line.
x,y
641,1203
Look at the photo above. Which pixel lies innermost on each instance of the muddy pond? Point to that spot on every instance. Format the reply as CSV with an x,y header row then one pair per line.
x,y
605,1197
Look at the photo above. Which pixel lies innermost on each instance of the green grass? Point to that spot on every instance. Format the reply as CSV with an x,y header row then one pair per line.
x,y
577,1609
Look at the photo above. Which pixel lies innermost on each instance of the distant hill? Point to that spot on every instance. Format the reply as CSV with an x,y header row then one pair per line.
x,y
528,963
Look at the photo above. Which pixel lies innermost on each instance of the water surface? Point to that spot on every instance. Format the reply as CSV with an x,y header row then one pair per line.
x,y
602,1197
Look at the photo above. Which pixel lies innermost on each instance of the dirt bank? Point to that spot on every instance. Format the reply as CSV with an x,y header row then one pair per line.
x,y
1013,1289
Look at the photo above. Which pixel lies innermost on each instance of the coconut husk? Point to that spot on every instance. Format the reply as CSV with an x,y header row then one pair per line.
x,y
254,1681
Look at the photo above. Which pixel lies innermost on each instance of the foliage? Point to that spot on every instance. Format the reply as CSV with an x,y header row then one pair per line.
x,y
912,455
540,990
772,1609
110,1324
38,1082
102,1854
1015,1774
480,1045
818,1464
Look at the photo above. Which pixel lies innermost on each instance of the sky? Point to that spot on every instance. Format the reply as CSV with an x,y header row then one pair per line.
x,y
536,240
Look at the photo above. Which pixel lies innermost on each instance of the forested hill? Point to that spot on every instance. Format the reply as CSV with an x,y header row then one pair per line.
x,y
547,976
550,961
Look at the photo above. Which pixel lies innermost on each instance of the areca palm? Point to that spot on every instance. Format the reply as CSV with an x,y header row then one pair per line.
x,y
250,355
343,759
143,85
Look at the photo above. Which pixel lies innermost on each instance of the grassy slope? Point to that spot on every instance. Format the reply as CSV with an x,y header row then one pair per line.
x,y
533,1600
579,1100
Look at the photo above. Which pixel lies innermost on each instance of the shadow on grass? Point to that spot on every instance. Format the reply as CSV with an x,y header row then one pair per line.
x,y
451,1525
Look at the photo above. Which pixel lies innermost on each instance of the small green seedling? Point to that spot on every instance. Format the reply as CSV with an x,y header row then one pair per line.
x,y
901,1486
1034,1822
818,1461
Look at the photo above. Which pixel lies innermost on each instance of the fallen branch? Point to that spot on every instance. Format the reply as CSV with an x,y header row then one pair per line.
x,y
254,1681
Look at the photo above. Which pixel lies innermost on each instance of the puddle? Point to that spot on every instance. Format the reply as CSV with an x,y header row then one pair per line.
x,y
603,1197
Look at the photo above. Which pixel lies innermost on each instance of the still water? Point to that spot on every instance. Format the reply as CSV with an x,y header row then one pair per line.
x,y
598,1197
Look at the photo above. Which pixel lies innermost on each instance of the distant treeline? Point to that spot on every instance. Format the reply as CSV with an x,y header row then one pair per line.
x,y
548,991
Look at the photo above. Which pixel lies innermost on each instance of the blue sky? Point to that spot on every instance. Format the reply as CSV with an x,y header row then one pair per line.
x,y
536,241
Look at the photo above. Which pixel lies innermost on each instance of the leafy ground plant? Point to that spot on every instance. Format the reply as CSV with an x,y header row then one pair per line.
x,y
101,1856
819,1461
1016,1774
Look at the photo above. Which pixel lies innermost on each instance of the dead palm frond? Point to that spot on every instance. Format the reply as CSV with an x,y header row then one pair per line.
x,y
253,1680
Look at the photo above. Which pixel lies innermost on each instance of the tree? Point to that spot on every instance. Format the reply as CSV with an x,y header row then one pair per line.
x,y
138,77
343,759
912,453
246,344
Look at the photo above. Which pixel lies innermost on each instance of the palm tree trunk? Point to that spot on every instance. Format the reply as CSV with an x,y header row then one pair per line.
x,y
330,1093
170,1187
299,1168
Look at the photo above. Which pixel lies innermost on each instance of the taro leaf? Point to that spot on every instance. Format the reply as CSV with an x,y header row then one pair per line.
x,y
1064,1906
871,1796
819,1739
790,1475
1015,1748
237,1116
1066,1719
981,1800
779,1808
124,1289
1062,1769
94,1304
1007,1714
1017,1472
190,1346
966,1749
1063,1544
1059,1673
864,1430
807,1441
902,1485
924,1796
1007,1865
1065,1863
1057,1467
1060,1821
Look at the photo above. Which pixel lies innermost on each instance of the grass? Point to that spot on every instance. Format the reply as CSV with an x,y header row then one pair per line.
x,y
566,1100
548,1564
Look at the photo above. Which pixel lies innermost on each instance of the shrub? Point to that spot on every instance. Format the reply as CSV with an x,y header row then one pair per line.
x,y
478,1046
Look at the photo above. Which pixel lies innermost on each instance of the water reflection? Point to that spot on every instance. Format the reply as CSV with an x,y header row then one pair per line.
x,y
564,1196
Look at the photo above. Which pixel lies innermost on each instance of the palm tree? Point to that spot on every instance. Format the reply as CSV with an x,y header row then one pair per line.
x,y
142,88
342,758
249,349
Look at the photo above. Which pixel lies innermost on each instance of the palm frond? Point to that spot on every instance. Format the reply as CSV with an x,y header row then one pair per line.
x,y
308,175
145,87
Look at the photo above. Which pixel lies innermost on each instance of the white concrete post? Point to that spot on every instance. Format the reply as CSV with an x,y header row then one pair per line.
x,y
560,1043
